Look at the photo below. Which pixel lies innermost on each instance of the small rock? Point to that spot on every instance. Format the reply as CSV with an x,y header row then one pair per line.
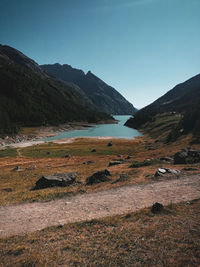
x,y
157,208
129,157
88,162
48,153
112,163
110,143
160,172
93,150
60,226
168,159
163,171
98,177
16,169
67,156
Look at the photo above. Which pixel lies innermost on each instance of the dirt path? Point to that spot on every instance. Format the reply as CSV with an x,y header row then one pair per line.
x,y
20,219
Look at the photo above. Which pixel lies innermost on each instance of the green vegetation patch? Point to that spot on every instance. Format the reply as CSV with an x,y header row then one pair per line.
x,y
79,148
9,152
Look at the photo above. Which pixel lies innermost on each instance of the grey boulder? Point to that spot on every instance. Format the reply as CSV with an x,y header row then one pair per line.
x,y
98,177
60,179
187,156
163,171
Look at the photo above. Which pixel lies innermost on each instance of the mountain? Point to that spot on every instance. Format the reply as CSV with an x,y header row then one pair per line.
x,y
30,97
102,96
183,99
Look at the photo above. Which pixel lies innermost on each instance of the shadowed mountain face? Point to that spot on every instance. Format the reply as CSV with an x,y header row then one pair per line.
x,y
29,97
183,98
102,96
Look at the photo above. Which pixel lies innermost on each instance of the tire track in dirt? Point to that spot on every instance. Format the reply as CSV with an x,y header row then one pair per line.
x,y
29,217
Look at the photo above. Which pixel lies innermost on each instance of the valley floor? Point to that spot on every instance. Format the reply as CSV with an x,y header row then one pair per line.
x,y
136,238
21,219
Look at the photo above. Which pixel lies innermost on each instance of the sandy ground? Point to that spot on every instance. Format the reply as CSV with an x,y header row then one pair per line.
x,y
24,218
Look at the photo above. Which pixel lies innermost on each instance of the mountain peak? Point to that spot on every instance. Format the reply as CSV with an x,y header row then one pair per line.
x,y
102,96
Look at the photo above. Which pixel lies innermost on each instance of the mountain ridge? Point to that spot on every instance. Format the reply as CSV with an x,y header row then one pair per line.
x,y
184,99
30,97
103,96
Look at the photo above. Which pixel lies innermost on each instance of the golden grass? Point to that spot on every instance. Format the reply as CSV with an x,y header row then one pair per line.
x,y
134,239
15,187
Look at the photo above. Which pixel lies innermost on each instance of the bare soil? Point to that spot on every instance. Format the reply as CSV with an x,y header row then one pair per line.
x,y
24,218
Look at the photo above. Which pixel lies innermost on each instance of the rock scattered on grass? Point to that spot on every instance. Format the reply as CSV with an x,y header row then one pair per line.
x,y
98,177
110,143
187,156
117,162
129,157
16,169
167,159
147,162
88,162
60,179
163,171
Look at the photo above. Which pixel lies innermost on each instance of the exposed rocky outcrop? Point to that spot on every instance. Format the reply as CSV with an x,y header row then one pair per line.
x,y
98,177
61,179
187,156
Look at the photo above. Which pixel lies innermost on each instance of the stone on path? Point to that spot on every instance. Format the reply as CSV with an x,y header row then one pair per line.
x,y
157,208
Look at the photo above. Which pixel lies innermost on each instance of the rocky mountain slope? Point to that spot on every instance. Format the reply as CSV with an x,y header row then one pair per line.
x,y
102,96
182,99
29,97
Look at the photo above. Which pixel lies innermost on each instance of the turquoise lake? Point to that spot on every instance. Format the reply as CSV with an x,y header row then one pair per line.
x,y
102,130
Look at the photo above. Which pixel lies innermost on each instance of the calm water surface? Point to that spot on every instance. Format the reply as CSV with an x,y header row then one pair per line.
x,y
103,130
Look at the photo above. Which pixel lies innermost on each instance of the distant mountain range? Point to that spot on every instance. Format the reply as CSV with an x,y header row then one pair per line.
x,y
99,94
184,99
30,97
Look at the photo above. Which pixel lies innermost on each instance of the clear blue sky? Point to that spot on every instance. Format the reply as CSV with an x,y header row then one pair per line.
x,y
141,47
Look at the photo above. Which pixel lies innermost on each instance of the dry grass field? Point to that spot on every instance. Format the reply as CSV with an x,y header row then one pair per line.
x,y
134,239
36,161
170,238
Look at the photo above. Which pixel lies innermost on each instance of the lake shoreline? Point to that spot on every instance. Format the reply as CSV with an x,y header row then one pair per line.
x,y
69,132
24,140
